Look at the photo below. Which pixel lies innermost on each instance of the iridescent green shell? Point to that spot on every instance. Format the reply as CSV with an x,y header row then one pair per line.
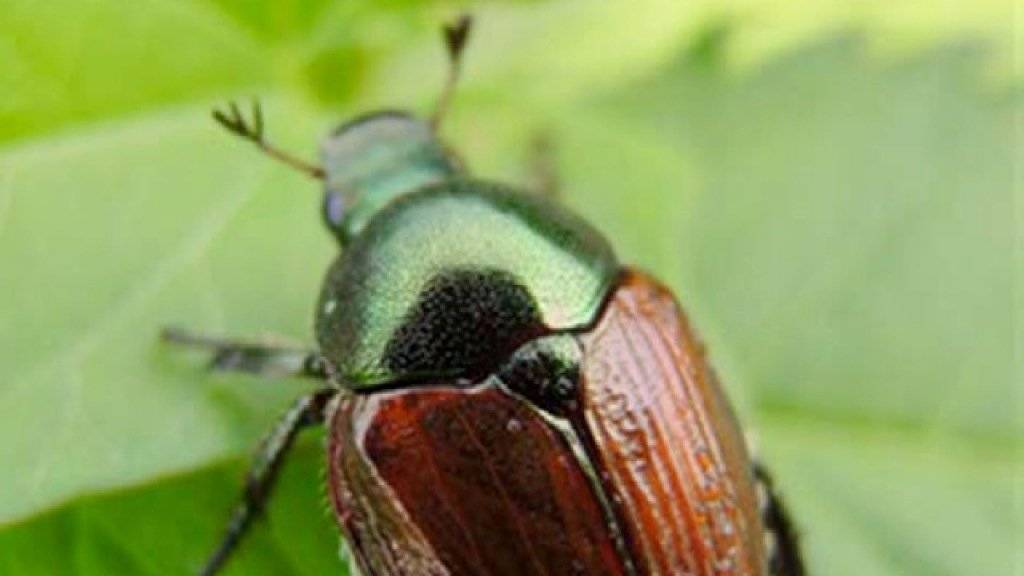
x,y
447,280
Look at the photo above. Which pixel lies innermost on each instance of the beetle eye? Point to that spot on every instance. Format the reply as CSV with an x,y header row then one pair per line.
x,y
334,210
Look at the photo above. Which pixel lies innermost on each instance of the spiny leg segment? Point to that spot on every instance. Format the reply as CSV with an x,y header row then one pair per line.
x,y
231,355
259,482
271,361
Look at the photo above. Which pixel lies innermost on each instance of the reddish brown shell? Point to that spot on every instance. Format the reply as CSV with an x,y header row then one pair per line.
x,y
476,481
445,480
672,453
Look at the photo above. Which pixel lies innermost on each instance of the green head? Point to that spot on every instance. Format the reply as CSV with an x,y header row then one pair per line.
x,y
373,159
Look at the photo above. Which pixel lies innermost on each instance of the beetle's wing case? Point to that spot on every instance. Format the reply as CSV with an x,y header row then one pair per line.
x,y
446,480
380,536
673,458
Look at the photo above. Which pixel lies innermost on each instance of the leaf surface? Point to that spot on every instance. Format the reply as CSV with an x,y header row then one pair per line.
x,y
840,225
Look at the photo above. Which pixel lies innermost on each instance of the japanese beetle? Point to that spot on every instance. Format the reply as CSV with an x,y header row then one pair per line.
x,y
502,396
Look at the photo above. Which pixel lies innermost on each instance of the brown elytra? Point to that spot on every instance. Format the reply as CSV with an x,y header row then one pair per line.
x,y
647,474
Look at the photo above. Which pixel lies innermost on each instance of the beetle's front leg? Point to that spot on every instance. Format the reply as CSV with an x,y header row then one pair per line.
x,y
259,482
270,360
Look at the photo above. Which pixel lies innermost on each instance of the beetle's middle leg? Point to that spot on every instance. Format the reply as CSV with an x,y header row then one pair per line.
x,y
229,355
259,482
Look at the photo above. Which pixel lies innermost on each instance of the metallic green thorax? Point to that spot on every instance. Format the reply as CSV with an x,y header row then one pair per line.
x,y
445,278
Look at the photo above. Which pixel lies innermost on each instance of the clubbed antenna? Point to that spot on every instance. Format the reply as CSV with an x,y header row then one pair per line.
x,y
456,34
233,121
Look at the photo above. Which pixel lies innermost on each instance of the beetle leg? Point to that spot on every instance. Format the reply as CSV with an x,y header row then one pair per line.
x,y
233,121
259,482
781,537
252,357
543,166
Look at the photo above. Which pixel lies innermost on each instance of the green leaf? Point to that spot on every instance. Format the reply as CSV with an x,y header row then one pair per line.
x,y
167,527
837,217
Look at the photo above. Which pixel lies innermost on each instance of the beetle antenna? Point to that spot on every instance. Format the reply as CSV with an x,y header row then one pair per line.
x,y
456,34
234,121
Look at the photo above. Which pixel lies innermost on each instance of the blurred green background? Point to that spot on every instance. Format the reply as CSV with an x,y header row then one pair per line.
x,y
829,186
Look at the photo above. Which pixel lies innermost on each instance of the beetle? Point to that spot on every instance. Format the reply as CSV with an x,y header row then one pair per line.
x,y
502,396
